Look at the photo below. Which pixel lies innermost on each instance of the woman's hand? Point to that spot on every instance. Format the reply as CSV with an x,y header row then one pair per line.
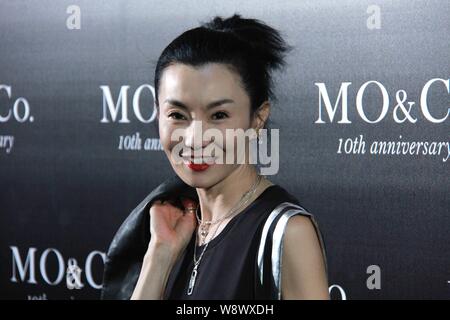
x,y
170,227
171,230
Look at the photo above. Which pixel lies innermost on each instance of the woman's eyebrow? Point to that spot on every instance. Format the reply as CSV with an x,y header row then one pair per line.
x,y
210,105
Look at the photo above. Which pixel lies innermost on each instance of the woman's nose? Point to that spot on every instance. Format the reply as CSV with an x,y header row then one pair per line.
x,y
194,136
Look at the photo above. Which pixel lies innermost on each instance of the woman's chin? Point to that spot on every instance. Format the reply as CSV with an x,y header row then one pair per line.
x,y
198,177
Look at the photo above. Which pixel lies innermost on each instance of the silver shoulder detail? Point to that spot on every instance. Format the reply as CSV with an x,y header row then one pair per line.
x,y
284,211
274,214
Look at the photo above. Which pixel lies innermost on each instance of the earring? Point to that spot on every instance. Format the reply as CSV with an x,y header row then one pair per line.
x,y
259,137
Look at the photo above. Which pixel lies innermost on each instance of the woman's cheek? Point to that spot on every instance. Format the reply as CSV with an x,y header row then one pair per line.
x,y
164,135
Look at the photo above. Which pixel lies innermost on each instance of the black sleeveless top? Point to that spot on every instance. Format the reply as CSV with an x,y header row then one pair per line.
x,y
229,268
242,262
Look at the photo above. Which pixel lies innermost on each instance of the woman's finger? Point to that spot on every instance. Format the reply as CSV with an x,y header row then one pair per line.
x,y
189,205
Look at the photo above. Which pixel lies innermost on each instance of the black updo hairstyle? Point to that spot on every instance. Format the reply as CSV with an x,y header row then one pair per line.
x,y
249,47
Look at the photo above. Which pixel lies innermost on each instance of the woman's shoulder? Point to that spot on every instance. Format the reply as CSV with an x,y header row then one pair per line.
x,y
287,217
285,210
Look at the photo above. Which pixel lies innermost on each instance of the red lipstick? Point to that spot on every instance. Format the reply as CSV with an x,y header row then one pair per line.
x,y
198,167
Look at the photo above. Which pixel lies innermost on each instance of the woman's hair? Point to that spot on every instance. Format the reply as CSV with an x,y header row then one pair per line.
x,y
248,47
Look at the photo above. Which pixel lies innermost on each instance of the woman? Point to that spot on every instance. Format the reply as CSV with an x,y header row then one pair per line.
x,y
218,230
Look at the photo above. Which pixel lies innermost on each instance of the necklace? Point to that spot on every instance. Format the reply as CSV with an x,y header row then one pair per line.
x,y
244,199
204,225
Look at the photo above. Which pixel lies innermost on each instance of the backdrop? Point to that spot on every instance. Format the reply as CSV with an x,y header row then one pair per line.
x,y
363,112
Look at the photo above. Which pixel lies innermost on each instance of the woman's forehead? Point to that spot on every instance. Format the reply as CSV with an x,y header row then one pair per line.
x,y
200,84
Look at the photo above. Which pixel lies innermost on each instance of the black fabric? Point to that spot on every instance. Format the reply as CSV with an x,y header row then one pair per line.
x,y
128,247
228,269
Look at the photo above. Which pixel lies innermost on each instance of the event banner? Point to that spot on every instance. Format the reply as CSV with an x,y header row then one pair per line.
x,y
363,119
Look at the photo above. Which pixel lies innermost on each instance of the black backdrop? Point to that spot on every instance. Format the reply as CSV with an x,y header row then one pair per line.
x,y
70,172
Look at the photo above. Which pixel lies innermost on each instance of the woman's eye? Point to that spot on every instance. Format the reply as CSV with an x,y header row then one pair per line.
x,y
176,116
219,115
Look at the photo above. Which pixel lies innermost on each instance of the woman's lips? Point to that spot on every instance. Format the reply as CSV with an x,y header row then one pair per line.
x,y
199,164
198,167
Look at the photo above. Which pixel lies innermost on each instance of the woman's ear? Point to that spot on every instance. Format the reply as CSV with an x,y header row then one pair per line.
x,y
261,115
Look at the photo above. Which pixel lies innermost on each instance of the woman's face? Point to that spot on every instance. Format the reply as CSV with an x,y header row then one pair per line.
x,y
185,100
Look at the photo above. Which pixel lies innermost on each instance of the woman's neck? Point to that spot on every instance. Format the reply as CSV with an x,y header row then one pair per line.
x,y
217,201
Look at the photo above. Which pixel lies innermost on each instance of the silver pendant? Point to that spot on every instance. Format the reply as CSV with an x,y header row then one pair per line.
x,y
204,232
192,281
